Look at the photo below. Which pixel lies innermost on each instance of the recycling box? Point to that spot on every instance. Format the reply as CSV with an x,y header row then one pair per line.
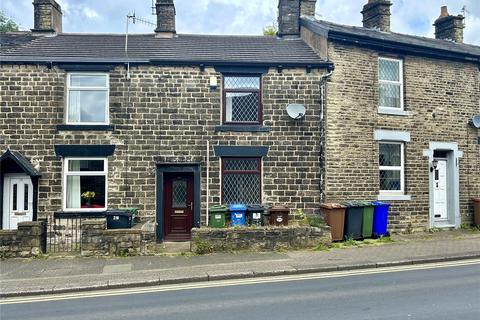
x,y
237,215
120,218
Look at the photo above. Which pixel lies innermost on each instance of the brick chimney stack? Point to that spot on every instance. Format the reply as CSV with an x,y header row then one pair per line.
x,y
307,7
376,15
448,27
165,18
288,18
47,16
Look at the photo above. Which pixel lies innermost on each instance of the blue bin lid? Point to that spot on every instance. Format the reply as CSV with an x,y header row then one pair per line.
x,y
380,203
237,207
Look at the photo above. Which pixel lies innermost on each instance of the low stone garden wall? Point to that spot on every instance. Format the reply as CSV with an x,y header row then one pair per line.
x,y
207,240
96,240
27,241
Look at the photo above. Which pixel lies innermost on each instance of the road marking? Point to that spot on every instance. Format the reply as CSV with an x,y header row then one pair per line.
x,y
236,282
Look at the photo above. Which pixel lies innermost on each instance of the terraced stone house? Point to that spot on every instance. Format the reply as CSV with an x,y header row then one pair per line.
x,y
397,117
169,125
173,123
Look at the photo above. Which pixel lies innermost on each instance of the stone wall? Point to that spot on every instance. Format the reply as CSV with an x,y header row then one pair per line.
x,y
98,241
440,97
206,240
164,114
27,241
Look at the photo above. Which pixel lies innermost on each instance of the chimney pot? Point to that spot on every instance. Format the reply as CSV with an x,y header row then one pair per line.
x,y
448,27
165,10
47,16
444,11
376,15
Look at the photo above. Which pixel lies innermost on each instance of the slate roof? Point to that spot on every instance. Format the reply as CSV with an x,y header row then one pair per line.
x,y
392,40
11,40
181,49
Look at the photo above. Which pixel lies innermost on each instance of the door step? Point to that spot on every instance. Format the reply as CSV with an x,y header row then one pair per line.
x,y
175,247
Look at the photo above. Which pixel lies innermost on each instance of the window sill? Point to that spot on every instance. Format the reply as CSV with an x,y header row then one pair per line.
x,y
393,112
393,197
242,128
85,127
80,213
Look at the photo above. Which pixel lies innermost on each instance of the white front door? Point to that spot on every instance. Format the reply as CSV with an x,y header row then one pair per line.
x,y
17,200
440,190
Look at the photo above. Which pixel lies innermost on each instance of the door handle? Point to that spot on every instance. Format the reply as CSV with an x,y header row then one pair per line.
x,y
190,206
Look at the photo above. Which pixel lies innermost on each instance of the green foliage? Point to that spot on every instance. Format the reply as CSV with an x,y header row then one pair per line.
x,y
321,247
270,30
202,246
7,24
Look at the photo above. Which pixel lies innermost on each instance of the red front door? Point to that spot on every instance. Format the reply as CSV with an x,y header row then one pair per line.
x,y
178,206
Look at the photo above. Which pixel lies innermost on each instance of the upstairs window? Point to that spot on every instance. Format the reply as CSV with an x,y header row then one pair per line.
x,y
391,161
390,77
85,183
242,99
241,180
87,98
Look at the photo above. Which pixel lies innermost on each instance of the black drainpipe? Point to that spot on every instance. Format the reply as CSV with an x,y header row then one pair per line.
x,y
323,91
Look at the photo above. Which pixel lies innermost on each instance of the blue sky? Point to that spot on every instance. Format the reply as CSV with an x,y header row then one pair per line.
x,y
240,16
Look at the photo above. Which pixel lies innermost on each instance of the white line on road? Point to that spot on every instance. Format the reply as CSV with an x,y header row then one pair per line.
x,y
237,282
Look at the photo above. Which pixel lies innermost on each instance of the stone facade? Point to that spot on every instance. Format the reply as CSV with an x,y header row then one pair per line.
x,y
164,114
98,241
440,98
27,241
207,240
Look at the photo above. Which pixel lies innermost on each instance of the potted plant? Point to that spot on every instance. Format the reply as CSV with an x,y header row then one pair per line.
x,y
88,196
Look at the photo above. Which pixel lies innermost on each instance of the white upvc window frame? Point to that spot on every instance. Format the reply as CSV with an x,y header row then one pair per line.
x,y
392,110
67,173
107,99
400,168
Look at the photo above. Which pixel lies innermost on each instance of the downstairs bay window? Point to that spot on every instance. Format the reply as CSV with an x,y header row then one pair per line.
x,y
85,184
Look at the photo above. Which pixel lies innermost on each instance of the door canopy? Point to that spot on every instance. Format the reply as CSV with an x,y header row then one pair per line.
x,y
15,162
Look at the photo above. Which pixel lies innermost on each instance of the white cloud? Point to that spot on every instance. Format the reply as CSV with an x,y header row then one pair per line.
x,y
90,13
241,16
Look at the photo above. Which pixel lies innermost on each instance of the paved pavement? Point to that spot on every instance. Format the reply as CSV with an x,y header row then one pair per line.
x,y
55,275
433,292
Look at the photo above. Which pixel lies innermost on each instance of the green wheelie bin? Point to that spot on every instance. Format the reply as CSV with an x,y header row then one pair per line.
x,y
217,216
367,223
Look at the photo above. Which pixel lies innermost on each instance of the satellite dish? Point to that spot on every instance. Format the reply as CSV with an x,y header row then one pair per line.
x,y
476,121
296,111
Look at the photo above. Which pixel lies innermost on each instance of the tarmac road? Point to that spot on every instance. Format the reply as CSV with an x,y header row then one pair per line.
x,y
442,291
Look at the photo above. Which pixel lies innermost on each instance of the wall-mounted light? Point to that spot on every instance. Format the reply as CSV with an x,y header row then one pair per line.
x,y
213,82
434,165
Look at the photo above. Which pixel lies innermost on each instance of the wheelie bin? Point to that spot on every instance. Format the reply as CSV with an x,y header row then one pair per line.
x,y
334,214
279,216
380,219
353,220
476,211
255,215
237,215
367,221
217,216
